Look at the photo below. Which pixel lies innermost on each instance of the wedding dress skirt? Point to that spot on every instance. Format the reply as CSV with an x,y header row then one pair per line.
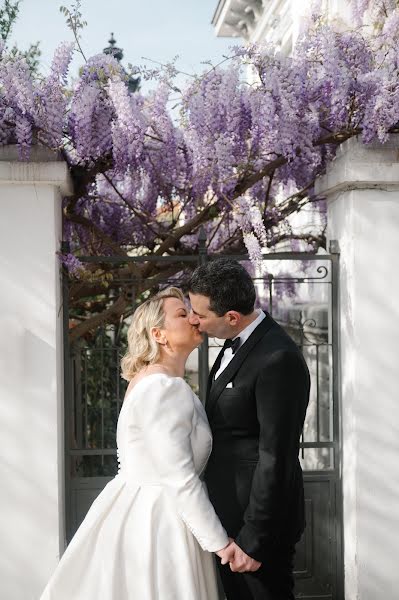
x,y
151,532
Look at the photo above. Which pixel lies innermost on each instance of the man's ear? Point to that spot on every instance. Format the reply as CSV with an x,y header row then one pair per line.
x,y
233,318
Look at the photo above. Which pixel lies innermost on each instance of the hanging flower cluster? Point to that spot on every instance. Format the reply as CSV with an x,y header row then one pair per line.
x,y
29,106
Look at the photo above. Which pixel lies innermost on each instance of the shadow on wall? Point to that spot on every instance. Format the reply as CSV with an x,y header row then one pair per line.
x,y
376,399
29,520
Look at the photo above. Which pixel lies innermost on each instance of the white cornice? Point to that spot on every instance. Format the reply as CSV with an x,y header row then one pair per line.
x,y
237,18
256,20
274,21
276,24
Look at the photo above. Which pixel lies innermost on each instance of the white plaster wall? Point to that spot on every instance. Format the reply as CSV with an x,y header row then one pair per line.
x,y
31,412
366,224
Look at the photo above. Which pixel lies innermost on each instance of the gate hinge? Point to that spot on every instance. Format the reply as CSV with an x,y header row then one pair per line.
x,y
334,247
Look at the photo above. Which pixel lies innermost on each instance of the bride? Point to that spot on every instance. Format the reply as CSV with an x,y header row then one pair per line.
x,y
151,532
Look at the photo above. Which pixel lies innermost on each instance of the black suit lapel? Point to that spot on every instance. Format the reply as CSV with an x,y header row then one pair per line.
x,y
214,369
227,375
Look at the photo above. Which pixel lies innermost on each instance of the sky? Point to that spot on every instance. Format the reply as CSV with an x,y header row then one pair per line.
x,y
155,29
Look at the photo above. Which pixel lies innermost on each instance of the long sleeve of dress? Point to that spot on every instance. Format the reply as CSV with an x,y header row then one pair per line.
x,y
164,412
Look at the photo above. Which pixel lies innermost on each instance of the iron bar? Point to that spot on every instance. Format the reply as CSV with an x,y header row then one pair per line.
x,y
203,350
188,258
91,451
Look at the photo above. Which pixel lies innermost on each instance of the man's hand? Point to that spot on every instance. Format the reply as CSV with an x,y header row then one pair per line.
x,y
242,563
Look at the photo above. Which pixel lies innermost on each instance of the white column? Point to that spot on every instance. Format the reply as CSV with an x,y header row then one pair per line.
x,y
362,187
31,376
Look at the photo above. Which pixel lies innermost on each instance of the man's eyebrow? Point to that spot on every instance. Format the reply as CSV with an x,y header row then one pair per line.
x,y
195,312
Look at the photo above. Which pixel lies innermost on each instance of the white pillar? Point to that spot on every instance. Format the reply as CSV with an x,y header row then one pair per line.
x,y
362,187
31,377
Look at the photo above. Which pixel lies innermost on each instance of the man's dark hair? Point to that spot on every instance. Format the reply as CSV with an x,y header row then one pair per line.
x,y
227,285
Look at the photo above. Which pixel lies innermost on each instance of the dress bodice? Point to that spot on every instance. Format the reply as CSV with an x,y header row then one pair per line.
x,y
149,396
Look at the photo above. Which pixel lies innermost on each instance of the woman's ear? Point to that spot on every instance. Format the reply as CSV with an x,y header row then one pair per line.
x,y
158,336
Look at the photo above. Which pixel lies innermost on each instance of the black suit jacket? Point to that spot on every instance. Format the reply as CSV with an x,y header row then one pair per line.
x,y
253,475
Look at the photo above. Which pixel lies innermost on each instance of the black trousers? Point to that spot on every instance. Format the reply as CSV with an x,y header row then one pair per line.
x,y
273,581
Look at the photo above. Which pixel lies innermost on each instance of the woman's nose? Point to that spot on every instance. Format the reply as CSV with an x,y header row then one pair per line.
x,y
192,317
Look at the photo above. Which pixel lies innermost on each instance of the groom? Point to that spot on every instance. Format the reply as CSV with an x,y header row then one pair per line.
x,y
257,396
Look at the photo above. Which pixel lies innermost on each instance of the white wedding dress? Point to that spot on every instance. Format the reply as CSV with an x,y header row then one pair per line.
x,y
151,532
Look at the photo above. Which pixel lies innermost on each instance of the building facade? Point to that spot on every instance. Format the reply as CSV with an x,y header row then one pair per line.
x,y
276,21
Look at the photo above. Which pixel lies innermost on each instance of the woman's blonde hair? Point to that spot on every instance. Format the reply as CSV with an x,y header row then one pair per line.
x,y
143,350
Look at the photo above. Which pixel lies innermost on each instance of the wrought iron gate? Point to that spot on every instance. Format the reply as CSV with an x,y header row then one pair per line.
x,y
301,292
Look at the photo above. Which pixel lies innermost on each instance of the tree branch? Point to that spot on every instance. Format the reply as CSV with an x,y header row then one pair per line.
x,y
114,311
122,304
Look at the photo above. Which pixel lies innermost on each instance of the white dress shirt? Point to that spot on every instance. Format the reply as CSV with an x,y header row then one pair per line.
x,y
243,335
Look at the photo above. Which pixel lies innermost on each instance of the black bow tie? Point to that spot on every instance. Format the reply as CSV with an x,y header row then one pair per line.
x,y
233,344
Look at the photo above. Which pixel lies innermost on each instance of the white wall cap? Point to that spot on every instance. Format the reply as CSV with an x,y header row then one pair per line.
x,y
361,166
43,168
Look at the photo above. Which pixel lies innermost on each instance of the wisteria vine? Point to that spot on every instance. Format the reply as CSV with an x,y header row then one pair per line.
x,y
241,158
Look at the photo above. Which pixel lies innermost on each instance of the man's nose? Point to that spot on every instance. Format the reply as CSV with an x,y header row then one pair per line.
x,y
193,319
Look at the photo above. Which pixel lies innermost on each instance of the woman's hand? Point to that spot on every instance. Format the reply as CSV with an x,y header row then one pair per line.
x,y
227,553
239,561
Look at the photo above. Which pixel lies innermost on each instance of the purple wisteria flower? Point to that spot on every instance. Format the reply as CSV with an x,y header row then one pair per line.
x,y
73,265
127,126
